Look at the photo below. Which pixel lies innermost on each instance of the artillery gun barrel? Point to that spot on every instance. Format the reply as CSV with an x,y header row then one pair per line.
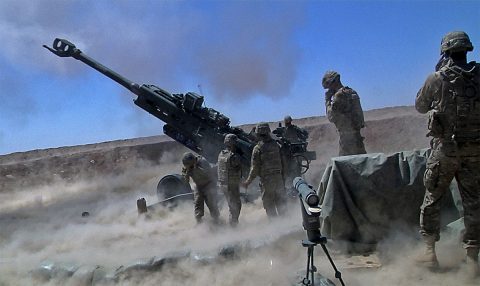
x,y
64,48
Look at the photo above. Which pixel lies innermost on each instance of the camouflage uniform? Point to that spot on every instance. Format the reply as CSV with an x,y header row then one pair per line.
x,y
454,123
267,164
295,134
229,174
205,187
292,165
345,111
451,97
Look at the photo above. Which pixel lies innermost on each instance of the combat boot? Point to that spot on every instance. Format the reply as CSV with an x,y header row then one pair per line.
x,y
429,258
473,269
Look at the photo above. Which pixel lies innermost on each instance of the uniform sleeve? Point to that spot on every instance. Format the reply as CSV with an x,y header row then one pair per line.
x,y
425,95
255,165
330,113
235,161
204,165
357,112
185,175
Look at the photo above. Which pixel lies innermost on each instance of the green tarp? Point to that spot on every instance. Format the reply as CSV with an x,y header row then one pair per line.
x,y
365,196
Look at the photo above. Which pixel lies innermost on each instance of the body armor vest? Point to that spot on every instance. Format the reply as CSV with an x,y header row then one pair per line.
x,y
295,134
229,168
347,111
201,173
456,115
270,157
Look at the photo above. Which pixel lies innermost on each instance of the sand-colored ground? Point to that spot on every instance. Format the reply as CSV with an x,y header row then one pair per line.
x,y
44,192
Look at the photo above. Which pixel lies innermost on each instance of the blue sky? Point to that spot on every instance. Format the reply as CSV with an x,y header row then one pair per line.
x,y
255,60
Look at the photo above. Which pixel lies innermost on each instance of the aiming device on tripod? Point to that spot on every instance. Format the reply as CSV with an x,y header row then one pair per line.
x,y
311,210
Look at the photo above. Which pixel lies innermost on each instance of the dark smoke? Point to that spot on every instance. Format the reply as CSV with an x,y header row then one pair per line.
x,y
251,54
235,49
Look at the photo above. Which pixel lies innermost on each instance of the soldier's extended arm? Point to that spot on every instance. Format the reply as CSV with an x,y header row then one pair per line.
x,y
235,162
425,95
205,166
254,167
357,112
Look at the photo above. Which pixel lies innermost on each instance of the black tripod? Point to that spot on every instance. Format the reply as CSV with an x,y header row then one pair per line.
x,y
309,202
311,269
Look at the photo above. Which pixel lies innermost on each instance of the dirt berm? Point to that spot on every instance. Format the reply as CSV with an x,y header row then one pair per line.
x,y
387,130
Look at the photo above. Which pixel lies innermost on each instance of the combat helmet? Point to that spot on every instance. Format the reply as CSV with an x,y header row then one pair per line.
x,y
230,139
329,78
455,42
188,159
262,129
287,119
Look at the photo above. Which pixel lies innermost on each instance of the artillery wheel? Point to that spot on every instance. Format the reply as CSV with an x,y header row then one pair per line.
x,y
173,187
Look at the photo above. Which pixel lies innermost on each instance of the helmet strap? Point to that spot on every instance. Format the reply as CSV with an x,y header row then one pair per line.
x,y
458,56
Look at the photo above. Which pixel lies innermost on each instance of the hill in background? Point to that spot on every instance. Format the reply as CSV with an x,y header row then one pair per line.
x,y
387,130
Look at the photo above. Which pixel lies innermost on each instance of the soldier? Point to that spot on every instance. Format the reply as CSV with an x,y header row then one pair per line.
x,y
293,133
292,165
451,97
344,110
229,173
197,168
267,164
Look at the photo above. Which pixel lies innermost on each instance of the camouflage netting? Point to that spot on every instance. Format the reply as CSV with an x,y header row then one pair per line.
x,y
365,196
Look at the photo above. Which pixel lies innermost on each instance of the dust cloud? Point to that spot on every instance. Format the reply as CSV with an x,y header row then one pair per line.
x,y
46,224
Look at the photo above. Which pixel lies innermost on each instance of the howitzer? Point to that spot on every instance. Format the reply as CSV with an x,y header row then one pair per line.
x,y
296,150
187,121
198,128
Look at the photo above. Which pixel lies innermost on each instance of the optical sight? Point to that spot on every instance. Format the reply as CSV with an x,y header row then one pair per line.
x,y
307,195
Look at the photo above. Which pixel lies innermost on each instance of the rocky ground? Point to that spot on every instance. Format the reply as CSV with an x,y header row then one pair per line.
x,y
43,194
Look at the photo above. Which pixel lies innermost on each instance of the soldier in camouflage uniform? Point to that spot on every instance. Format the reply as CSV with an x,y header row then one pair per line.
x,y
267,164
451,97
200,171
229,174
292,132
344,110
292,165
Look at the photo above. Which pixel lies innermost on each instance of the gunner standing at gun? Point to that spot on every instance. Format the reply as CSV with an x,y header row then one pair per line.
x,y
292,166
267,164
229,174
200,171
344,110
